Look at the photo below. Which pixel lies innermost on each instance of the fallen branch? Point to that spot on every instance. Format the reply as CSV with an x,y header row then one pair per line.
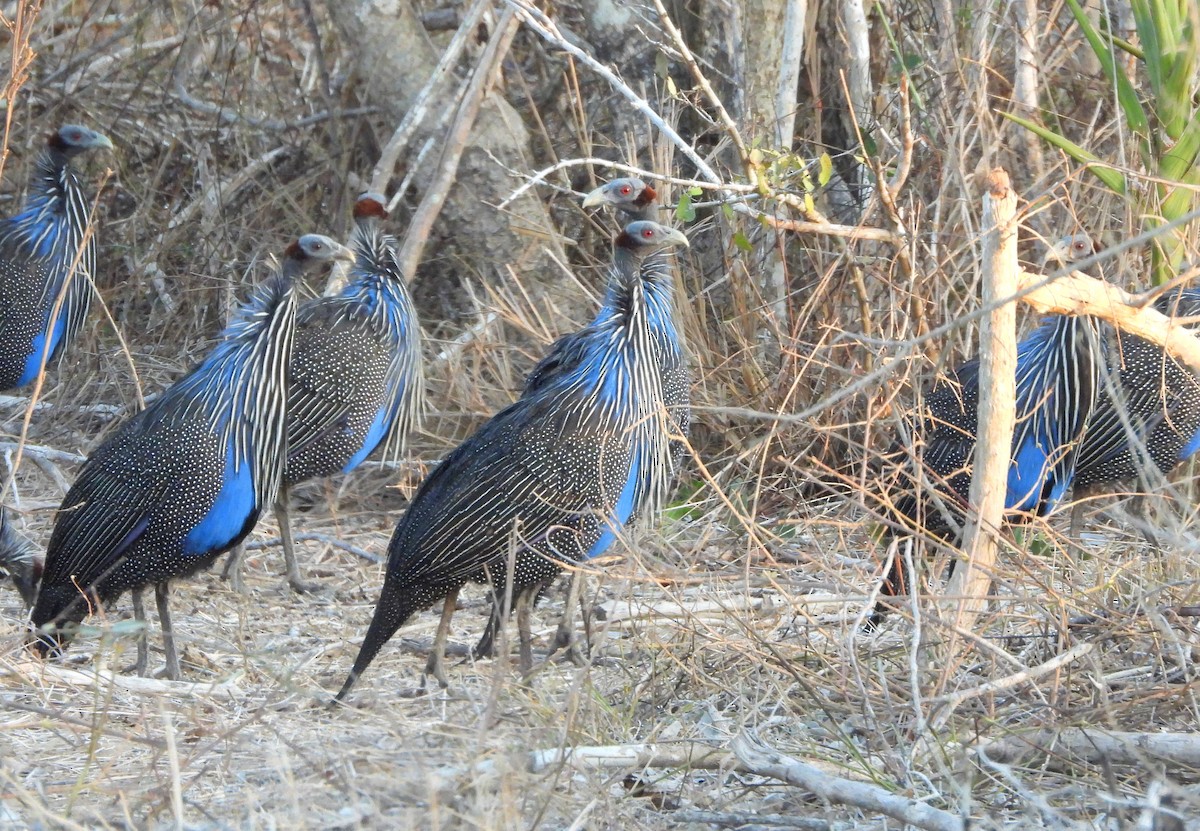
x,y
1078,294
950,702
42,452
135,684
691,755
334,542
100,409
616,614
1093,746
758,757
739,819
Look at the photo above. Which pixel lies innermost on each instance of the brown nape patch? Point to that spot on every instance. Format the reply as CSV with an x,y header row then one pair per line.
x,y
366,207
55,141
294,251
625,240
646,197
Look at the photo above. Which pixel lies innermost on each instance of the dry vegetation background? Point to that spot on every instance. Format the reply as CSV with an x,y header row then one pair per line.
x,y
241,125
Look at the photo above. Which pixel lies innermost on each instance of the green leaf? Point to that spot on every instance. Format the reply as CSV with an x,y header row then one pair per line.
x,y
1168,63
1135,116
687,505
826,170
869,145
685,211
743,244
1111,178
727,210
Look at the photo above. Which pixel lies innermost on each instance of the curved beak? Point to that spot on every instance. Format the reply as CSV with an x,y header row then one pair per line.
x,y
674,237
596,198
101,140
343,254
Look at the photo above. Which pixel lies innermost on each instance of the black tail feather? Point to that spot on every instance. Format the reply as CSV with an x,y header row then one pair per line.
x,y
391,612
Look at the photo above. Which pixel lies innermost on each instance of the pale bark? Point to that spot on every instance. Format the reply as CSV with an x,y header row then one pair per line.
x,y
1025,85
395,61
966,596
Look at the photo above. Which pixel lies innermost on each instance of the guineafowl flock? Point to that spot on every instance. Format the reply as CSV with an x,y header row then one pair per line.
x,y
294,391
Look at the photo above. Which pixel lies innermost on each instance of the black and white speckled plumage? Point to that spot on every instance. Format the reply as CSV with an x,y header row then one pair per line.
x,y
187,478
1148,414
634,200
1059,370
357,380
20,559
38,247
552,474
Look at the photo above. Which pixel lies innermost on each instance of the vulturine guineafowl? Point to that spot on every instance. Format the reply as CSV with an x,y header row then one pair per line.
x,y
1147,415
1058,376
20,559
634,200
552,478
47,260
188,477
357,381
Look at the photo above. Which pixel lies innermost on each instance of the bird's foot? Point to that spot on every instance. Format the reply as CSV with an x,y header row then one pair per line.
x,y
236,583
436,667
303,587
574,653
566,643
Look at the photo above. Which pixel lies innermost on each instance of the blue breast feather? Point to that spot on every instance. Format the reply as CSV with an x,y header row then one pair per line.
x,y
33,363
375,433
626,504
1040,445
1190,448
227,518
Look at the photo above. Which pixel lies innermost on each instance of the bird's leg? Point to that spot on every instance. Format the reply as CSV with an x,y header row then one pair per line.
x,y
143,638
564,636
1076,520
435,665
486,648
233,568
524,628
161,591
1141,513
289,546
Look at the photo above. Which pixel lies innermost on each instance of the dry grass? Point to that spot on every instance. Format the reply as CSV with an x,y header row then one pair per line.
x,y
740,615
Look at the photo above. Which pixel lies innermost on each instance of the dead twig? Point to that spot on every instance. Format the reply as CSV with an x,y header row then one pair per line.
x,y
1096,746
385,168
758,757
967,592
435,197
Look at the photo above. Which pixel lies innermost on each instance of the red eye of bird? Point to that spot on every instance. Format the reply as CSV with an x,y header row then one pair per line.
x,y
625,189
649,232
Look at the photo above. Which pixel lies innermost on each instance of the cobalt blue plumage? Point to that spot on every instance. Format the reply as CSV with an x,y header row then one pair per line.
x,y
357,382
43,300
552,477
634,200
1147,417
1058,377
187,478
